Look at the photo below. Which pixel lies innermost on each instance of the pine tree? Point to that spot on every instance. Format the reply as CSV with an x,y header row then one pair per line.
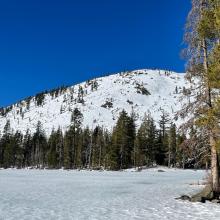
x,y
164,121
80,95
122,142
97,149
18,150
75,129
145,144
27,146
52,154
106,148
202,36
68,151
60,147
172,146
181,152
6,148
86,138
39,142
160,155
131,136
141,145
164,137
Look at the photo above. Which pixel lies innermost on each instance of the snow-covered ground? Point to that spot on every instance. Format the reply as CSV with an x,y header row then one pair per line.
x,y
58,194
123,91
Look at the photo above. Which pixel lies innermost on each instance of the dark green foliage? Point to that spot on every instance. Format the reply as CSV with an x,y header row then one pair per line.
x,y
73,143
58,91
28,100
203,54
27,150
98,148
39,143
161,149
180,152
94,85
5,111
67,151
141,89
39,98
86,148
80,94
122,142
145,143
107,104
172,149
17,150
55,149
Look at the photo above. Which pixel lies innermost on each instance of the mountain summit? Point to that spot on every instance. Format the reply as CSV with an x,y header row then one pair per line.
x,y
100,100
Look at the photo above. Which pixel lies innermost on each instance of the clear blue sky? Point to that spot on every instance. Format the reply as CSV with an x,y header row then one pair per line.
x,y
48,43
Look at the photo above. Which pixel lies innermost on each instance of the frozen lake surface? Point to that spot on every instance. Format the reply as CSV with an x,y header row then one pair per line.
x,y
58,194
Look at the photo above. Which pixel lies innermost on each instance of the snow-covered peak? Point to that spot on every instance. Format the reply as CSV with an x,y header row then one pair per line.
x,y
100,100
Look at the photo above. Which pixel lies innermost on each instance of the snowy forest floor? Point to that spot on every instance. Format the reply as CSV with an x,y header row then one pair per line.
x,y
60,194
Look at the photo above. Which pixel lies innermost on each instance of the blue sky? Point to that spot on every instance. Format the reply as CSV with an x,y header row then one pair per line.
x,y
48,43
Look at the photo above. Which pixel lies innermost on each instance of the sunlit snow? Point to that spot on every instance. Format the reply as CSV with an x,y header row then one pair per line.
x,y
121,89
84,195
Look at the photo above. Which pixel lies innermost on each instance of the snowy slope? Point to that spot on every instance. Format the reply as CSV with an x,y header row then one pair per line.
x,y
143,91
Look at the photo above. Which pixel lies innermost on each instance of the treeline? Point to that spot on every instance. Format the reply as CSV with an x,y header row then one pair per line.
x,y
38,100
79,148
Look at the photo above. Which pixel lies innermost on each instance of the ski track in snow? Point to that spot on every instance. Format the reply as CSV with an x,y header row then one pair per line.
x,y
85,195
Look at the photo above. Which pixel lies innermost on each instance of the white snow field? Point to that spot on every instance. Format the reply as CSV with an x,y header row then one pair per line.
x,y
121,90
58,194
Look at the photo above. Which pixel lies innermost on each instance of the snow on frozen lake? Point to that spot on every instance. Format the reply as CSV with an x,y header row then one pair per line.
x,y
58,194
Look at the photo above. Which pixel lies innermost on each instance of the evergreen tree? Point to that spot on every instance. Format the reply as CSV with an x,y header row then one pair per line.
x,y
163,138
73,142
67,160
122,142
18,150
86,141
39,143
202,37
145,144
107,148
60,147
75,129
160,149
98,143
180,153
6,148
52,154
172,146
27,146
164,121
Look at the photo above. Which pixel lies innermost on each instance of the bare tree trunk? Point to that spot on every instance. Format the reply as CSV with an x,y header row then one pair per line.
x,y
134,155
100,155
212,141
206,166
214,166
169,157
90,150
183,161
